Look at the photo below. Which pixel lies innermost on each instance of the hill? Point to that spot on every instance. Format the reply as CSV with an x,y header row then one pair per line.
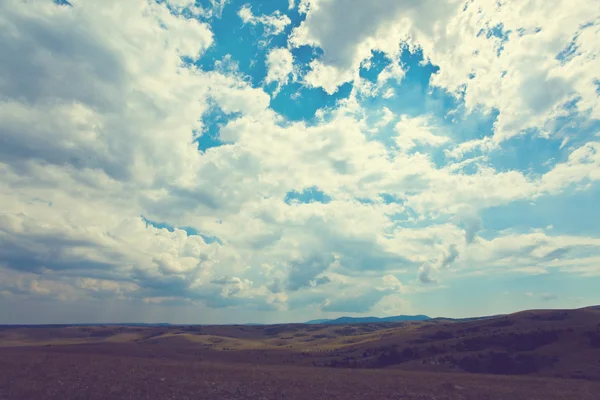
x,y
563,343
549,354
559,343
368,320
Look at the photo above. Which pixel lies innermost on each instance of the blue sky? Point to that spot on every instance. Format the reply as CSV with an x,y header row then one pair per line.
x,y
224,161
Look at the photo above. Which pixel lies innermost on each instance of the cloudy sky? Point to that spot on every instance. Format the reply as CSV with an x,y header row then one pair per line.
x,y
225,161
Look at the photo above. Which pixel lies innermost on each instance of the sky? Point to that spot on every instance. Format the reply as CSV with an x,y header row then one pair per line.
x,y
224,161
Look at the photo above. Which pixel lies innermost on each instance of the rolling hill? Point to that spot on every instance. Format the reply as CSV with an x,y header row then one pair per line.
x,y
558,343
368,320
549,354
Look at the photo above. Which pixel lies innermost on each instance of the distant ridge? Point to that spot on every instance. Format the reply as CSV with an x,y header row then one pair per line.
x,y
368,320
147,324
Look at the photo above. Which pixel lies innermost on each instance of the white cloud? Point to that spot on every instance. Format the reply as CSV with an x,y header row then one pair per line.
x,y
274,24
521,76
533,253
550,56
280,65
486,144
81,139
327,77
97,121
392,72
418,130
387,118
583,165
215,10
347,38
388,94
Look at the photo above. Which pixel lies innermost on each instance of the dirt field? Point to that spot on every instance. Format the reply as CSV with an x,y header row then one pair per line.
x,y
534,355
37,373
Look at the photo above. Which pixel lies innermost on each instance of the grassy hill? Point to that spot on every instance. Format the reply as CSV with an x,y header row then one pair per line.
x,y
559,343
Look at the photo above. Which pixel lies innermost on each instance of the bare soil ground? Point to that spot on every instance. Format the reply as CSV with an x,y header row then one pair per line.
x,y
541,355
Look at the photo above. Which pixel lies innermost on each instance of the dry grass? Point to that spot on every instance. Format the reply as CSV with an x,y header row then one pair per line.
x,y
391,361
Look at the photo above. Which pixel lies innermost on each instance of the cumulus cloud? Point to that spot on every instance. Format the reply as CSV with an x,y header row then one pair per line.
x,y
213,10
325,76
472,223
89,155
280,65
413,131
428,270
523,59
450,256
583,164
535,253
387,118
303,271
101,110
273,24
346,42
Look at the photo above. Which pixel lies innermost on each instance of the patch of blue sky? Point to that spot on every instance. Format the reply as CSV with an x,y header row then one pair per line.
x,y
304,55
534,154
462,127
188,230
569,52
307,195
522,31
390,198
365,200
528,153
386,135
62,3
499,34
408,218
569,213
246,44
578,128
415,97
405,219
187,12
297,102
572,49
248,48
206,140
207,5
271,6
262,7
214,119
477,124
498,293
371,70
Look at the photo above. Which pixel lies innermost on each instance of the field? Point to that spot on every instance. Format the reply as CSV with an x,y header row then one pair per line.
x,y
551,354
